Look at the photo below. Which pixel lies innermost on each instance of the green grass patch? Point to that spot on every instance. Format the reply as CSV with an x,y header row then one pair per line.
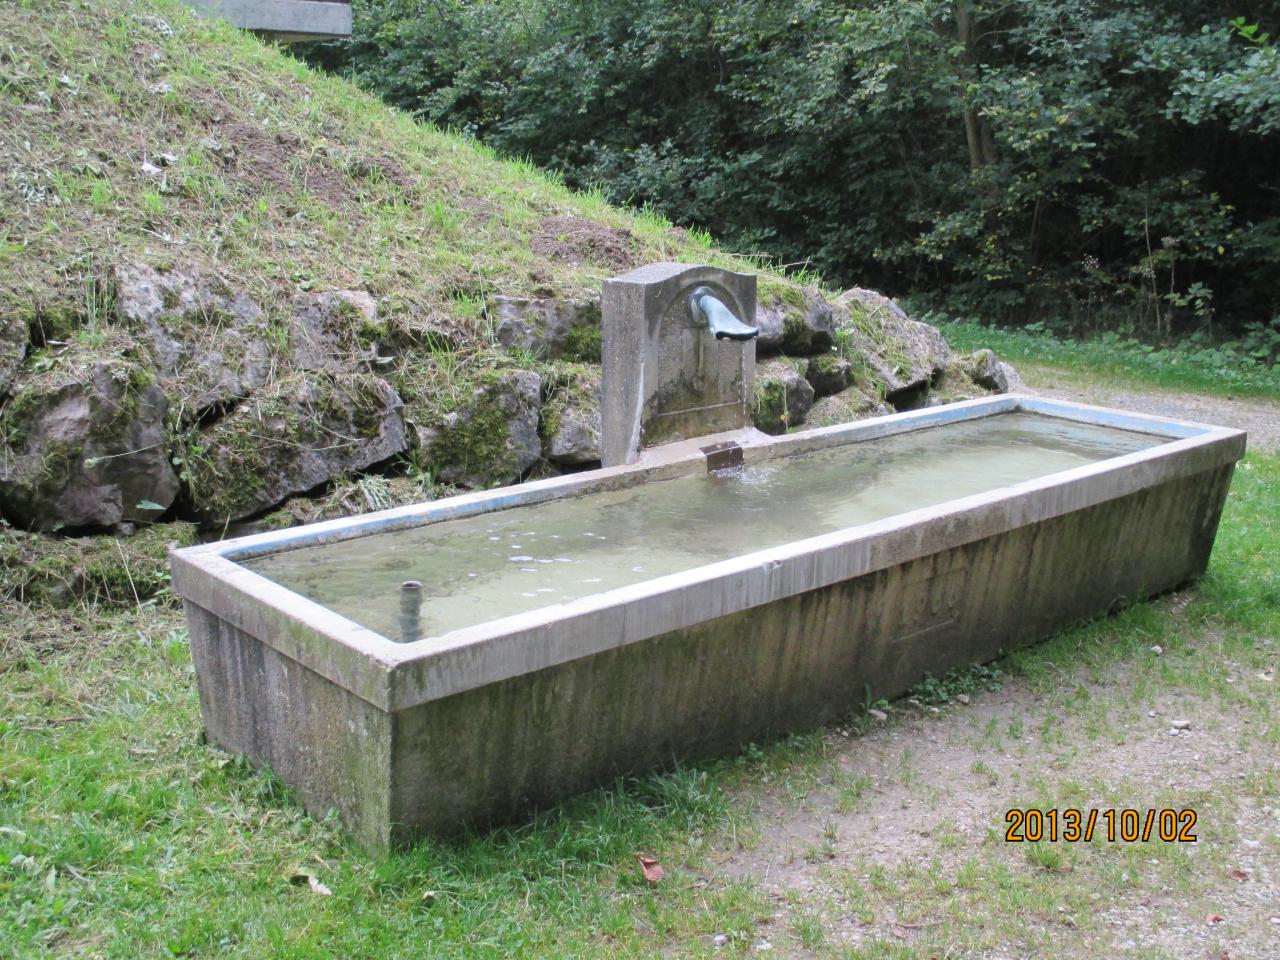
x,y
1221,370
125,836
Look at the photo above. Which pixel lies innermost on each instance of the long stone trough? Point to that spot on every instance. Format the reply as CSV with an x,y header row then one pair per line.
x,y
480,723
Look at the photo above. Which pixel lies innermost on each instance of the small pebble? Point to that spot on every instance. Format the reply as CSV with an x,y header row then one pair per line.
x,y
1181,724
1151,713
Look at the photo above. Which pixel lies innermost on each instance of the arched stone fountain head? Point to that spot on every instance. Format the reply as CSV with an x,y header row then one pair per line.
x,y
678,350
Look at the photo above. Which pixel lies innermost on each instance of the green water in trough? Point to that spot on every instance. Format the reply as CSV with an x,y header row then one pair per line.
x,y
497,564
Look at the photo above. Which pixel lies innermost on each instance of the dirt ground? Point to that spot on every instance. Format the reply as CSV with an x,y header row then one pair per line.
x,y
936,791
863,863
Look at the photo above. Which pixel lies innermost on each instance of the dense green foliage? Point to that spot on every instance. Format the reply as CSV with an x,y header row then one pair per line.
x,y
1112,162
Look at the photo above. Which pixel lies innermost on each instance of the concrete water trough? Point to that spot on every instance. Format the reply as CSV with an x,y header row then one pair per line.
x,y
720,589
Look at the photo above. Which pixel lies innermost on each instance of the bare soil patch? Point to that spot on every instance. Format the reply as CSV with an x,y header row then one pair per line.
x,y
576,240
929,801
262,157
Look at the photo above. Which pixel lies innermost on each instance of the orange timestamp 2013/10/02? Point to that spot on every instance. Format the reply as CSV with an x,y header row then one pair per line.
x,y
1072,825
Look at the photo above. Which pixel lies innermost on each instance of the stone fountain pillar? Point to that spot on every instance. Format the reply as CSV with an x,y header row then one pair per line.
x,y
666,377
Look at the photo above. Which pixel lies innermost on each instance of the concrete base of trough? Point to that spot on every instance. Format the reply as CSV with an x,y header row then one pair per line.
x,y
490,753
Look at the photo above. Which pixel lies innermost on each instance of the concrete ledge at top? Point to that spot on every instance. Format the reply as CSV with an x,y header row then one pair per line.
x,y
283,20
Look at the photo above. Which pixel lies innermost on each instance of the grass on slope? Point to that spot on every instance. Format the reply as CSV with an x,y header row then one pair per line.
x,y
138,130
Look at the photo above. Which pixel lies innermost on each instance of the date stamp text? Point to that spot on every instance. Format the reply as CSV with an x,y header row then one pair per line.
x,y
1072,825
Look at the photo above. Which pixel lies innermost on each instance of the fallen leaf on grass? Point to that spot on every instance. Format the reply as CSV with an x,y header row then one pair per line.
x,y
299,877
651,868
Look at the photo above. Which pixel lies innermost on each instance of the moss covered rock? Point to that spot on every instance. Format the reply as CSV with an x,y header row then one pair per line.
x,y
207,340
337,330
549,328
829,373
902,355
85,446
977,374
797,320
296,436
571,417
13,350
846,407
491,436
782,397
984,369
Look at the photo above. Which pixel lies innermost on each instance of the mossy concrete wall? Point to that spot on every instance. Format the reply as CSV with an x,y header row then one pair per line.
x,y
495,750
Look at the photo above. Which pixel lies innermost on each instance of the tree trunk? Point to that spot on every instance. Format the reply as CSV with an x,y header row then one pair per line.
x,y
977,132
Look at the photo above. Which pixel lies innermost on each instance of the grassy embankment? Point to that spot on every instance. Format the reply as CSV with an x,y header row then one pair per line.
x,y
142,132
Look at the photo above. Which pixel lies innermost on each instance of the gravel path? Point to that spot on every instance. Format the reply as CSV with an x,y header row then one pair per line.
x,y
932,793
1260,418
